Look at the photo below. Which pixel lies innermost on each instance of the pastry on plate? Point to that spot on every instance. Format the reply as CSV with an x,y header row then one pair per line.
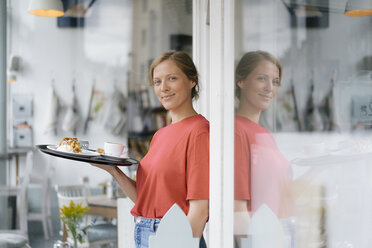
x,y
69,145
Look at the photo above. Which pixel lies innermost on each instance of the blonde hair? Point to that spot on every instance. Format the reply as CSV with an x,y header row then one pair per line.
x,y
184,63
248,63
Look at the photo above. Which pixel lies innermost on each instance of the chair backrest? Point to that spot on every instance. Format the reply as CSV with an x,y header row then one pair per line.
x,y
68,193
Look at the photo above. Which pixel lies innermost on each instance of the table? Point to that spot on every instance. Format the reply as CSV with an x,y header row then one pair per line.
x,y
101,205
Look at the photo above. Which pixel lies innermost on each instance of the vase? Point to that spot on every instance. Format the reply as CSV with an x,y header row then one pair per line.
x,y
60,244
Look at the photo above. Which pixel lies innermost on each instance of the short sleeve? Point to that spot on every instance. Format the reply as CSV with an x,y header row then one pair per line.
x,y
242,168
197,171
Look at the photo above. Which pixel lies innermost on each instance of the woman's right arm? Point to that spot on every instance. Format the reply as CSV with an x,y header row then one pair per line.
x,y
127,184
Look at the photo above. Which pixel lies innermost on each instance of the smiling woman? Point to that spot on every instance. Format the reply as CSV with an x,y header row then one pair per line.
x,y
257,78
176,167
261,171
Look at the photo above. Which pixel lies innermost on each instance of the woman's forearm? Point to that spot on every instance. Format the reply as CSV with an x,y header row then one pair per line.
x,y
198,216
127,184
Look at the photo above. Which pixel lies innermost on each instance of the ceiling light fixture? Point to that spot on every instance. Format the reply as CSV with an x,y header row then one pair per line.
x,y
357,8
46,8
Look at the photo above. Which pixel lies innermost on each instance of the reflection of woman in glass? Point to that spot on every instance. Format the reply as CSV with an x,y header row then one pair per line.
x,y
176,167
261,171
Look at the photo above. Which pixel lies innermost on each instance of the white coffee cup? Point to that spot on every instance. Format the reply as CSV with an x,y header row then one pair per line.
x,y
114,149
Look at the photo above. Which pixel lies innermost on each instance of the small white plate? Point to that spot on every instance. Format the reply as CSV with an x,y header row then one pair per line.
x,y
84,153
123,156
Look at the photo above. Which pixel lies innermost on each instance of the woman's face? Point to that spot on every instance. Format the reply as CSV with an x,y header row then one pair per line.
x,y
172,87
260,86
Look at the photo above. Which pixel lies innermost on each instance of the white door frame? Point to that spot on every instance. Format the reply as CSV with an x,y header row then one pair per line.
x,y
220,44
201,53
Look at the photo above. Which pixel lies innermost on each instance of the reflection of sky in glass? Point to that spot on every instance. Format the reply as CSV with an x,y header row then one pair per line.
x,y
108,31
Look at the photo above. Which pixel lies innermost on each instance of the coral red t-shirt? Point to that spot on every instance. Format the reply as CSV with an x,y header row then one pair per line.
x,y
175,169
261,171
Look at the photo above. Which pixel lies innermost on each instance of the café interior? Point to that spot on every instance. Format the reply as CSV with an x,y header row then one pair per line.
x,y
79,68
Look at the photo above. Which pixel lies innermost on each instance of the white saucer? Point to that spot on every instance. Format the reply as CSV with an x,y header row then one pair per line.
x,y
84,153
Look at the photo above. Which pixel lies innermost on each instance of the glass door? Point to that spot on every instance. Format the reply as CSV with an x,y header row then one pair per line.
x,y
303,122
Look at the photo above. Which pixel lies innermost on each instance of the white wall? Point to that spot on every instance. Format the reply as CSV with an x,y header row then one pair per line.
x,y
99,51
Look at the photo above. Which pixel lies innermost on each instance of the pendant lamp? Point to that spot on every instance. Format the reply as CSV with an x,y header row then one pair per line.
x,y
358,8
46,8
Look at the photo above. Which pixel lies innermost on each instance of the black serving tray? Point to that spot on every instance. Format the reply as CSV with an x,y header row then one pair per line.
x,y
93,159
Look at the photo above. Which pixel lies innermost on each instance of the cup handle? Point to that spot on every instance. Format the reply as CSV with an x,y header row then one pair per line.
x,y
124,153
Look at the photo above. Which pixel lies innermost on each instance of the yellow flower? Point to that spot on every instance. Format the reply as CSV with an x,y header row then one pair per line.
x,y
74,210
71,216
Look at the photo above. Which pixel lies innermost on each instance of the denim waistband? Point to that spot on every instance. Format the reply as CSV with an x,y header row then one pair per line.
x,y
147,222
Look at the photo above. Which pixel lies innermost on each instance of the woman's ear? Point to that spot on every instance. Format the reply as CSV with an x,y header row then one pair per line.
x,y
193,84
240,84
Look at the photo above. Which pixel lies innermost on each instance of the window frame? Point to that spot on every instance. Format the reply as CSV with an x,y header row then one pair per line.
x,y
214,56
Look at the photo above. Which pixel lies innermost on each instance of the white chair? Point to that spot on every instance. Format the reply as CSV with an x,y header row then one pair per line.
x,y
99,233
17,238
41,178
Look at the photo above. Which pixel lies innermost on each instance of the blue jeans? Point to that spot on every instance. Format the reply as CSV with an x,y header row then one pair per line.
x,y
144,228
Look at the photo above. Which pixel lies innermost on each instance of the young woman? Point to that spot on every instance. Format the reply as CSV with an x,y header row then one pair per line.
x,y
176,167
262,174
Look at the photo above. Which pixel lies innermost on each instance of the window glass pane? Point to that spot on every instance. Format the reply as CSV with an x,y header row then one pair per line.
x,y
303,122
157,26
85,75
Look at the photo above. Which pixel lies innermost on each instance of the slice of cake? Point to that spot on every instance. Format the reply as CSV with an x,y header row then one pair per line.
x,y
69,145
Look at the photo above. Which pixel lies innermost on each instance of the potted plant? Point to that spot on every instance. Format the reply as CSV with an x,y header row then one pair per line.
x,y
72,216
